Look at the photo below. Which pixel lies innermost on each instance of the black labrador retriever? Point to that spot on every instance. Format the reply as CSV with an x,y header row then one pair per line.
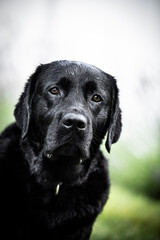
x,y
53,177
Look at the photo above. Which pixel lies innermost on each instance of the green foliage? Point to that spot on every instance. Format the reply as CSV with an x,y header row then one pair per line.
x,y
6,113
128,216
140,174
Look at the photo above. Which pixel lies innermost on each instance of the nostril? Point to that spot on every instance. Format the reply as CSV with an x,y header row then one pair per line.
x,y
82,124
67,123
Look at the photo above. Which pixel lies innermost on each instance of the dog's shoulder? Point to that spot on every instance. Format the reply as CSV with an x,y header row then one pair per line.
x,y
9,142
99,177
12,163
93,193
10,132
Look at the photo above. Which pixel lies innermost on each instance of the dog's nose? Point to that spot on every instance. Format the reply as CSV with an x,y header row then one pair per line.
x,y
74,120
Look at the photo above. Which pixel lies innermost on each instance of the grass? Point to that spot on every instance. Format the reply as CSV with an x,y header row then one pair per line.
x,y
128,216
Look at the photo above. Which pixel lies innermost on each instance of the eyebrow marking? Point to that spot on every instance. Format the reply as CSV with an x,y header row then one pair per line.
x,y
90,87
64,83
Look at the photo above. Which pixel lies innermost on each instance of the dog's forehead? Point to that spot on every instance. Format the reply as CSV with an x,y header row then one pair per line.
x,y
76,72
74,67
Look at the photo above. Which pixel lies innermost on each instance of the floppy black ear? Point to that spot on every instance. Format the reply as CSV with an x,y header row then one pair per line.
x,y
115,125
23,108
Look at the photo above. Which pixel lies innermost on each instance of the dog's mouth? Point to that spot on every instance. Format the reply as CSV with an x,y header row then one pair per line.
x,y
68,152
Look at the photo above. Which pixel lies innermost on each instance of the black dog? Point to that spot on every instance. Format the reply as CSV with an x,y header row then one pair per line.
x,y
53,177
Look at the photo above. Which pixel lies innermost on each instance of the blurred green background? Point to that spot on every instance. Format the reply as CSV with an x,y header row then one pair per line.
x,y
133,209
122,38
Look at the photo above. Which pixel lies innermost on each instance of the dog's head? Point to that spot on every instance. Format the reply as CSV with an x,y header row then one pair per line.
x,y
66,109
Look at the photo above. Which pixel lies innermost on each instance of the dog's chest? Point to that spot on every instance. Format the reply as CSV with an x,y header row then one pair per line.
x,y
67,206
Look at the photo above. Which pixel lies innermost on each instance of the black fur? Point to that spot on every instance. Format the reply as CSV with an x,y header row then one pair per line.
x,y
60,124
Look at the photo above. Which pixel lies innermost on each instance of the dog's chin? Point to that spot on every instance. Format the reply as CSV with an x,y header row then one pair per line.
x,y
66,164
63,172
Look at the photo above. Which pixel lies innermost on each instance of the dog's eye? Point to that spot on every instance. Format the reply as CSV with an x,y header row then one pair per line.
x,y
96,98
54,90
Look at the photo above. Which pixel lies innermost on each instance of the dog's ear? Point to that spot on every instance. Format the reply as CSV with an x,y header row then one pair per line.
x,y
23,108
114,122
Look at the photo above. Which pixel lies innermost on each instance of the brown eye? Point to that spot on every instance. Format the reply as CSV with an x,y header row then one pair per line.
x,y
96,98
54,90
